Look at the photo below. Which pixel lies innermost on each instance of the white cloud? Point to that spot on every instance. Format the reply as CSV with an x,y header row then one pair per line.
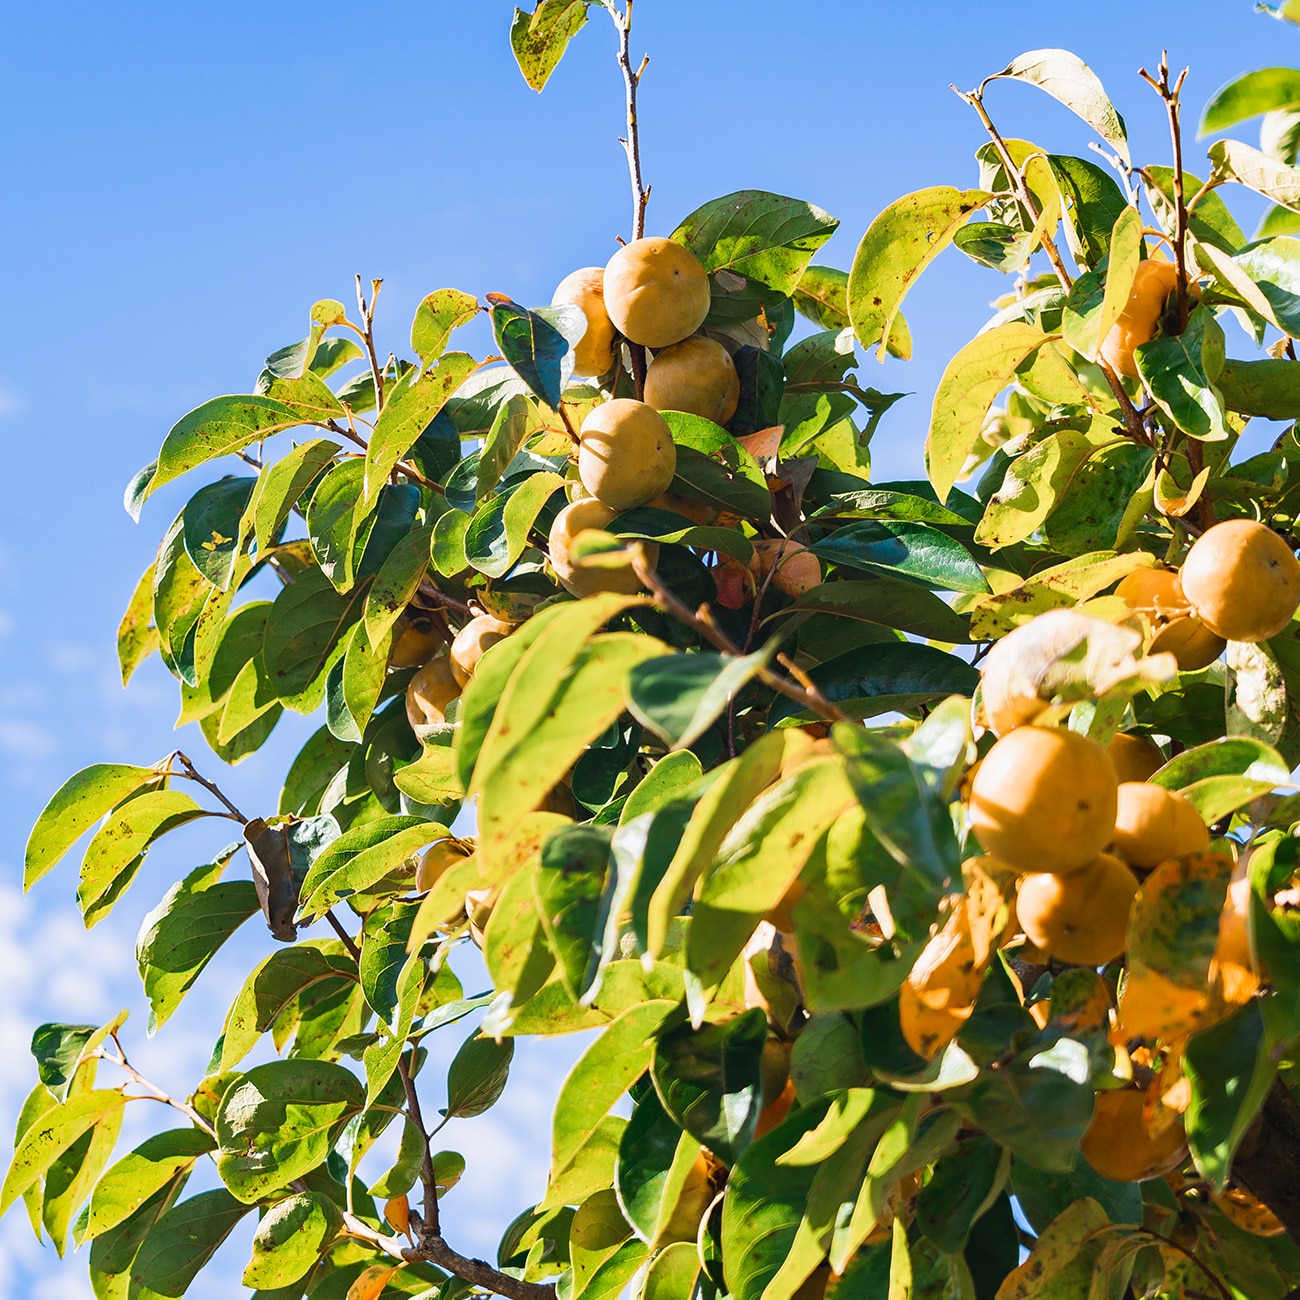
x,y
26,739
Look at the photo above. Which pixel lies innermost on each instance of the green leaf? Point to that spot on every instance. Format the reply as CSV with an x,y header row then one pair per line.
x,y
679,697
1230,1070
889,678
604,1072
281,484
1270,389
904,549
1274,267
210,527
183,933
304,635
822,295
540,38
961,1188
1181,369
381,1058
44,1142
397,582
1073,83
888,602
1257,171
1037,480
509,429
538,345
1226,756
79,801
539,731
973,378
58,1050
1043,1195
409,408
136,1177
568,886
137,638
757,862
498,532
1263,91
361,857
217,428
310,773
764,1205
1209,222
383,954
292,1235
338,522
649,1173
182,1241
899,244
477,1076
710,1080
279,1121
764,237
438,314
114,855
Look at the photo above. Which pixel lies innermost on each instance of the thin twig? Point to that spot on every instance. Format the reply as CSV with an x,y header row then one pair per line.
x,y
348,941
1170,95
632,144
430,592
402,466
155,1092
812,700
976,100
191,773
368,337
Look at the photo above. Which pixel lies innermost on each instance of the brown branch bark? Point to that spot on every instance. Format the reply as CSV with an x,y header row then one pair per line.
x,y
1267,1161
632,143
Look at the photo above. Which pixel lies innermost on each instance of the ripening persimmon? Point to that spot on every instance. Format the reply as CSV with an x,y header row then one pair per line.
x,y
477,636
1120,1145
1155,593
417,641
696,375
1242,580
794,570
1082,917
435,860
627,456
430,691
593,354
1044,799
1153,824
1157,596
656,292
1139,319
1135,757
576,518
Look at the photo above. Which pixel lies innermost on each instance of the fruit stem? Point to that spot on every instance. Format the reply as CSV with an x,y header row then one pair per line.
x,y
632,143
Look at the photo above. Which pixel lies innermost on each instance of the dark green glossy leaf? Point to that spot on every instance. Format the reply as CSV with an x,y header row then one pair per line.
x,y
569,884
710,1080
305,633
904,549
211,526
1180,370
183,1240
538,345
680,696
363,856
1043,1195
963,1183
290,1238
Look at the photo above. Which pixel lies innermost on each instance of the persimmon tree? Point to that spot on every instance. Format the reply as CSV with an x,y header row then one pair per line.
x,y
923,860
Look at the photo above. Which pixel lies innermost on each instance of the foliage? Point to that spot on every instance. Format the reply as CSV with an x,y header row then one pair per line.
x,y
683,836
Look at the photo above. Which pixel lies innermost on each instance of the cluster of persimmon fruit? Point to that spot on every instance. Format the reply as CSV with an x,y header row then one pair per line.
x,y
1078,826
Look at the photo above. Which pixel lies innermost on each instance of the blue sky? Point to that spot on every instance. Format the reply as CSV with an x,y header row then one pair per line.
x,y
182,181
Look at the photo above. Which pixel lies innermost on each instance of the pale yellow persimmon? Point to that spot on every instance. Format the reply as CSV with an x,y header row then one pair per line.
x,y
656,292
626,456
594,352
477,636
575,519
1242,580
1082,917
430,691
1044,799
696,375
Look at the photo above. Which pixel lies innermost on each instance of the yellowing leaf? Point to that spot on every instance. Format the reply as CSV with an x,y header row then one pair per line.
x,y
370,1284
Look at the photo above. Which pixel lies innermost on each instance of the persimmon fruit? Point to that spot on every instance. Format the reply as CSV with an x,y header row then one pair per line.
x,y
696,375
593,354
656,292
1242,580
626,456
1082,917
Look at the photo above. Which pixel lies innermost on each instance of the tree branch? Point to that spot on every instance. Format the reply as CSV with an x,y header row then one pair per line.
x,y
1170,95
632,144
155,1092
191,773
808,697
